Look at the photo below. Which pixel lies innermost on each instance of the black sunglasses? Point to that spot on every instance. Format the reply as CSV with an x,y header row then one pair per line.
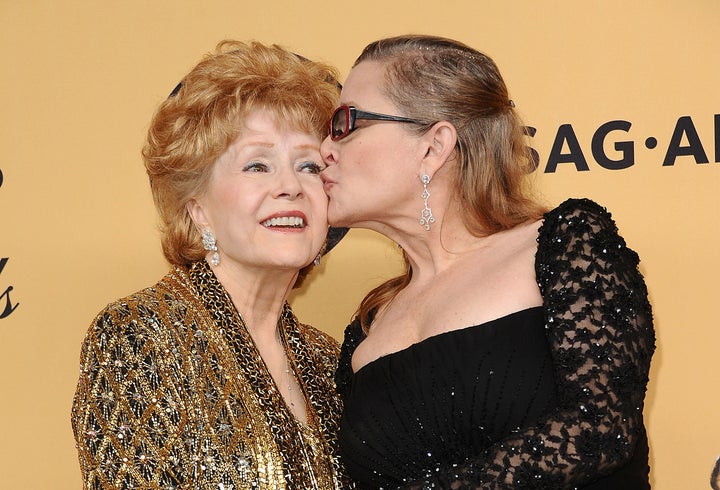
x,y
342,122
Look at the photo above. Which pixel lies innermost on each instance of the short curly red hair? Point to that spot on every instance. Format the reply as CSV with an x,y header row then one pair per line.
x,y
195,125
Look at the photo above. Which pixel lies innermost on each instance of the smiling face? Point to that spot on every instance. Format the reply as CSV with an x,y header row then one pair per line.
x,y
372,175
265,202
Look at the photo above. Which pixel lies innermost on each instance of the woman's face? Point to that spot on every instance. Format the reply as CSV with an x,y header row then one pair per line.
x,y
372,177
265,201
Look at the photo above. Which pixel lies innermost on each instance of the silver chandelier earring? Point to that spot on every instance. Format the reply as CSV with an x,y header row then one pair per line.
x,y
209,244
426,217
322,251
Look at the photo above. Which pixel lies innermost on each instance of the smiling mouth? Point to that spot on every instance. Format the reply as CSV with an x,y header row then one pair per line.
x,y
284,222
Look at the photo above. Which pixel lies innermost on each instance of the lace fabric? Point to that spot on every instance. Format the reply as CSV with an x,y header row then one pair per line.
x,y
598,324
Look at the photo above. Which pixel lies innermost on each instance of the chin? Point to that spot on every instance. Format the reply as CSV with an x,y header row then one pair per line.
x,y
335,216
338,219
296,261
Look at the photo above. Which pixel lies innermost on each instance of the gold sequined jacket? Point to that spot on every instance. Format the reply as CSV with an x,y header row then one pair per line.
x,y
174,394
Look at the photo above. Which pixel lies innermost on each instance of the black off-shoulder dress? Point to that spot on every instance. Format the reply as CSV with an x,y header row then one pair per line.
x,y
545,398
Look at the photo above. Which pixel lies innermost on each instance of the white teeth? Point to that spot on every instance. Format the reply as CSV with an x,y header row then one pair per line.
x,y
293,221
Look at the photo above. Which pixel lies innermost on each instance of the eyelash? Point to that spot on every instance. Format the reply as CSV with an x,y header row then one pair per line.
x,y
255,167
305,167
314,167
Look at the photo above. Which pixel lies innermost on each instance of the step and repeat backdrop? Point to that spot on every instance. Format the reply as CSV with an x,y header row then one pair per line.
x,y
622,100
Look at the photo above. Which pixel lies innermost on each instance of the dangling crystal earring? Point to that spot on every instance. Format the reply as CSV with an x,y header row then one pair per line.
x,y
426,217
320,254
208,240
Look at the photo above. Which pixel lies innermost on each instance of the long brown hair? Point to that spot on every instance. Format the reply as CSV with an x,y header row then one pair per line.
x,y
463,86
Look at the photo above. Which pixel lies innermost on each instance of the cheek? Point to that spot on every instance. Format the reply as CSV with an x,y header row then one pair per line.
x,y
320,204
236,204
217,202
378,158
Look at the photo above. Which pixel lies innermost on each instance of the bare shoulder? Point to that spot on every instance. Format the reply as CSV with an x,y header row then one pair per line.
x,y
525,234
503,272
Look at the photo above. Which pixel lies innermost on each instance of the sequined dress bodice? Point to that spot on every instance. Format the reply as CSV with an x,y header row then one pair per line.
x,y
174,394
423,400
545,398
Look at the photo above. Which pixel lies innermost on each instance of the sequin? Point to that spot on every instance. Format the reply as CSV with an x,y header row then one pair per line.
x,y
173,394
598,326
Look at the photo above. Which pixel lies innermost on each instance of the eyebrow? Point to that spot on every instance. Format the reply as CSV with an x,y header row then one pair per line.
x,y
304,146
259,143
308,147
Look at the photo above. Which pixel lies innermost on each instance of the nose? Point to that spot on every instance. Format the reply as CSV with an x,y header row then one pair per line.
x,y
288,184
328,151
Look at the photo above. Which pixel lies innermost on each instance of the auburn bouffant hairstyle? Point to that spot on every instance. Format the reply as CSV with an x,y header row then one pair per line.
x,y
202,117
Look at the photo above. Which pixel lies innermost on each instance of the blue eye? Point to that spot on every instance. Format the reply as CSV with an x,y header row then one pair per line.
x,y
255,167
311,167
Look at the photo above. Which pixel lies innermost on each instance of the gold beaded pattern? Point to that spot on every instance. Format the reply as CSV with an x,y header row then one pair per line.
x,y
174,394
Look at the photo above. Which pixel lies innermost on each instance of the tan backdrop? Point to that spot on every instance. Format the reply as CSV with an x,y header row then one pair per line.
x,y
617,88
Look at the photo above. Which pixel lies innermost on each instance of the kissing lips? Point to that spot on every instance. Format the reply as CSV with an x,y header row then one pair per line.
x,y
327,182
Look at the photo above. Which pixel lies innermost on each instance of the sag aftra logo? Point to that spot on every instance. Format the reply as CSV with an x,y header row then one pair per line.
x,y
685,141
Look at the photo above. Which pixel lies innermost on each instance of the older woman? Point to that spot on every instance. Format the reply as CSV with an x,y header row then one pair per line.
x,y
514,352
207,379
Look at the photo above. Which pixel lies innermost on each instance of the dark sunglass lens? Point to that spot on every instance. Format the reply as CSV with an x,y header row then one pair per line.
x,y
339,124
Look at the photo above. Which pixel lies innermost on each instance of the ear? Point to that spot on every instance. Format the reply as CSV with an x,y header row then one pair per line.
x,y
440,141
195,210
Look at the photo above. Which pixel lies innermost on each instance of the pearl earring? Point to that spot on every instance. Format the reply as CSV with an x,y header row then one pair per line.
x,y
208,240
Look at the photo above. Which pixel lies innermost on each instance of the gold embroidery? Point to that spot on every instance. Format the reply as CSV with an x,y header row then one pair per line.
x,y
173,394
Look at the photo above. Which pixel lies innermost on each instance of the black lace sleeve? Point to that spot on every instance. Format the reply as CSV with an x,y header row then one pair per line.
x,y
343,375
599,326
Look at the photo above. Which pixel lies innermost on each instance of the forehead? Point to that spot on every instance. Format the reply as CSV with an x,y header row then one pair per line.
x,y
263,122
261,131
364,87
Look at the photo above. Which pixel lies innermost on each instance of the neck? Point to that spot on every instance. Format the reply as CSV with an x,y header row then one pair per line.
x,y
258,294
430,252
